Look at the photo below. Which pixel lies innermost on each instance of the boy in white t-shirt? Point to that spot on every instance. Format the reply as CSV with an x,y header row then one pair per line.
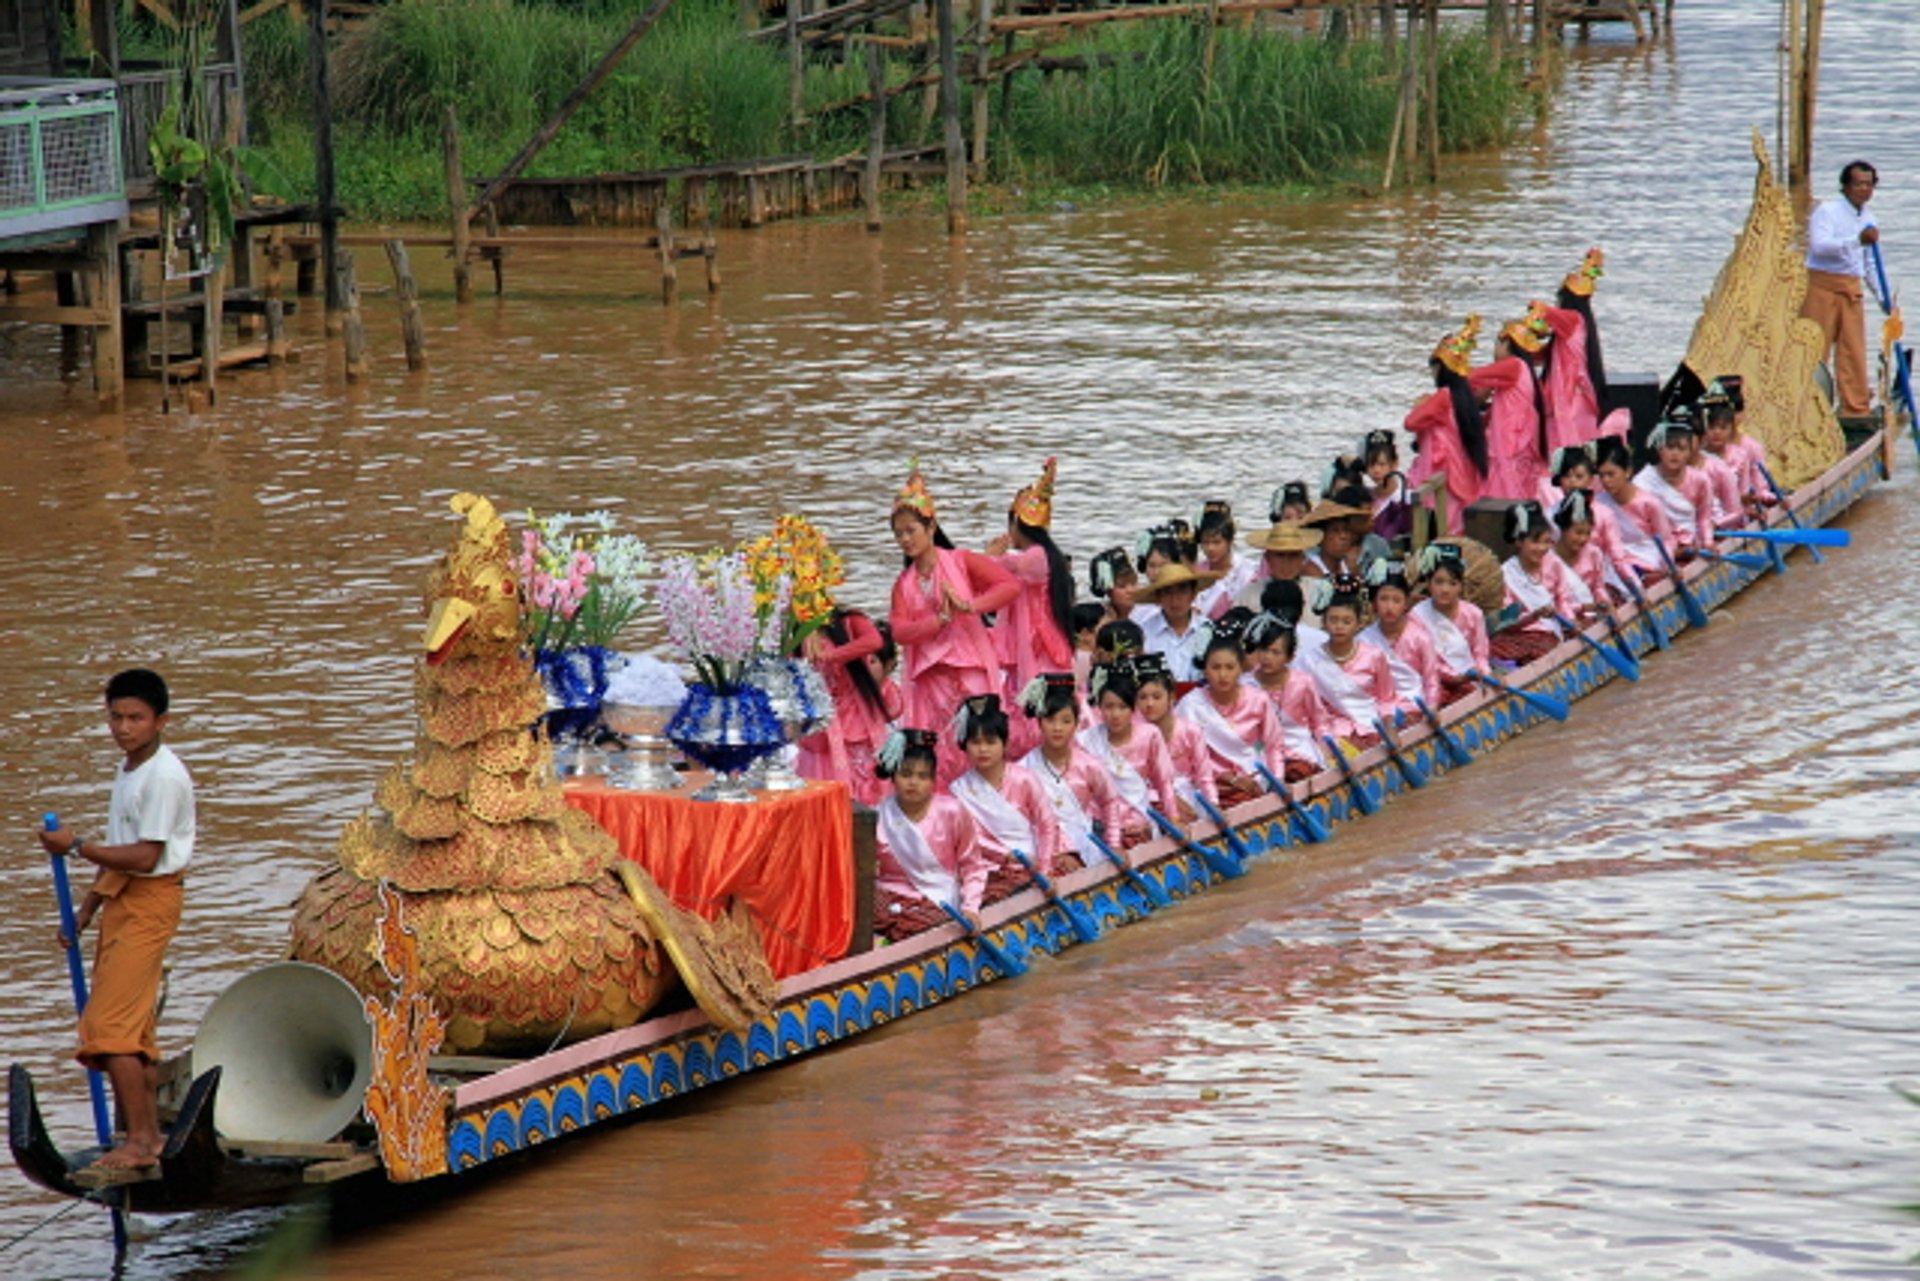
x,y
142,862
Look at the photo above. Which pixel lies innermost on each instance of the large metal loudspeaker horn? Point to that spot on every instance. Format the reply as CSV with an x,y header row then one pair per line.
x,y
295,1052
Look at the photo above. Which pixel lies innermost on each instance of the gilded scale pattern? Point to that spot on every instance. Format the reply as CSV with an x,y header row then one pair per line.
x,y
1752,326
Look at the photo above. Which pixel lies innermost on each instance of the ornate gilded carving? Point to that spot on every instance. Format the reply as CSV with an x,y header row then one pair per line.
x,y
1752,326
525,936
407,1110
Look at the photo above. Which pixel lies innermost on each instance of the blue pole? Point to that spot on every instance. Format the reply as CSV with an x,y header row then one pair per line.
x,y
1902,377
77,973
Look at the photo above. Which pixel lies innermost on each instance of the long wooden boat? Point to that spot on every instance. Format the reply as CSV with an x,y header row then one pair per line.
x,y
445,1117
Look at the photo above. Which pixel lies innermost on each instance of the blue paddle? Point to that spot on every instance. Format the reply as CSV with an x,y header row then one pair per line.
x,y
1310,827
1362,800
1696,612
996,955
1234,843
1547,703
1632,581
1153,893
1802,537
1415,776
1620,642
1455,748
1742,559
1625,666
1780,497
1085,928
1224,866
77,975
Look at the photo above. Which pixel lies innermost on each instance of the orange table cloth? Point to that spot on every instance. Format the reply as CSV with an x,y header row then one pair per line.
x,y
788,856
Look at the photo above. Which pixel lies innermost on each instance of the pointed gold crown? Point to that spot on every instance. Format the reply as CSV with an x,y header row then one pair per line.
x,y
1581,280
913,495
1456,349
1034,504
1531,332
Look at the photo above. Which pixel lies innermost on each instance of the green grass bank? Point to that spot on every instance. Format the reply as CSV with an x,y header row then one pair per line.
x,y
1168,105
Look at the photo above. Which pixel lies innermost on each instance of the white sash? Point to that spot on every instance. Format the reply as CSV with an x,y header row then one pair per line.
x,y
1577,586
1634,539
1452,643
916,858
1680,512
994,812
1127,780
1342,694
1067,810
1406,682
1222,738
1533,595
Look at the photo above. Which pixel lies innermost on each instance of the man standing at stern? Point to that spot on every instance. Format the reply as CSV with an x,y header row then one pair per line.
x,y
1837,237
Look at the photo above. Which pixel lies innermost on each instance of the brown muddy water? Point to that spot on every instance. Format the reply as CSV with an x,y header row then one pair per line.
x,y
1625,1000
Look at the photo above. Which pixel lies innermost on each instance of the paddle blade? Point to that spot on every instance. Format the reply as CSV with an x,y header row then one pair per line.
x,y
1415,776
997,956
1745,560
1795,537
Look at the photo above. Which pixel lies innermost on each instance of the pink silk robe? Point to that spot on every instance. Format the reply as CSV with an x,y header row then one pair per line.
x,y
1187,747
1431,424
1368,669
1649,516
1025,634
1147,754
1590,567
945,663
1748,456
1471,623
1515,465
1723,482
844,749
1303,717
1414,647
951,835
1573,406
1553,581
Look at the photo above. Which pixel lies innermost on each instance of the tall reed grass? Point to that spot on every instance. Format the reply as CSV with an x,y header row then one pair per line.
x,y
1168,102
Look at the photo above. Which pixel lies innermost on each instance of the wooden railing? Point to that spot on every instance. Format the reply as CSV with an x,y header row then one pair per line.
x,y
143,96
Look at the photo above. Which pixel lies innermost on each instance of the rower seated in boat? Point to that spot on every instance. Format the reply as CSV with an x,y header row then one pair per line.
x,y
928,850
1270,642
1456,624
1077,787
1353,676
1241,729
1005,801
1133,753
1538,590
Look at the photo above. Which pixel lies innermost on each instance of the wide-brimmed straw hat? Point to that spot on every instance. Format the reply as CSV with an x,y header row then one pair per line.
x,y
1174,574
1327,510
1286,536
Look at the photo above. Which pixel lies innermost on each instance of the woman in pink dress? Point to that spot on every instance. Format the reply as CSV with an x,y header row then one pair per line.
x,y
927,851
1573,473
1516,418
1723,404
1449,432
1458,628
1270,643
845,748
1132,752
1593,577
1077,786
1670,480
1353,677
1405,642
1215,538
938,601
1574,378
1186,746
1239,725
1034,633
1537,587
1006,803
1640,518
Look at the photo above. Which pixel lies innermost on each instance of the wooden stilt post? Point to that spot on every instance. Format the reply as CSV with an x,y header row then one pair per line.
x,y
876,135
413,332
213,323
1387,20
276,331
66,292
109,373
950,120
982,85
499,254
351,329
669,270
1433,90
322,106
710,254
796,70
457,208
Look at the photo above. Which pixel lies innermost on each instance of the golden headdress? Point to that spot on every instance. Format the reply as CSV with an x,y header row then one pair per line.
x,y
1531,332
1456,349
1034,504
913,495
1581,280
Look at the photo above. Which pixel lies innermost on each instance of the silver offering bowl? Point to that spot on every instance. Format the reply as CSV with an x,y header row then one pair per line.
x,y
646,765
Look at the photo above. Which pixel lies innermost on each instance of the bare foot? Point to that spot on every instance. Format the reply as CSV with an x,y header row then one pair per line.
x,y
130,1157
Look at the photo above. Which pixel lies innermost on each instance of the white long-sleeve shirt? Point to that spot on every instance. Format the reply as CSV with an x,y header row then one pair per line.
x,y
1833,237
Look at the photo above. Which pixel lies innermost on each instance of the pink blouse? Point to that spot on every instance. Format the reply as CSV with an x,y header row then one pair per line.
x,y
1552,582
1573,407
1414,647
1723,482
1471,623
1303,716
1256,723
1091,785
962,640
856,723
1649,514
1187,747
1367,668
1022,790
1590,568
1748,456
951,835
1147,753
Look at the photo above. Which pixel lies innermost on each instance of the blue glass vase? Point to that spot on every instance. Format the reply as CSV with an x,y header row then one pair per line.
x,y
726,731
